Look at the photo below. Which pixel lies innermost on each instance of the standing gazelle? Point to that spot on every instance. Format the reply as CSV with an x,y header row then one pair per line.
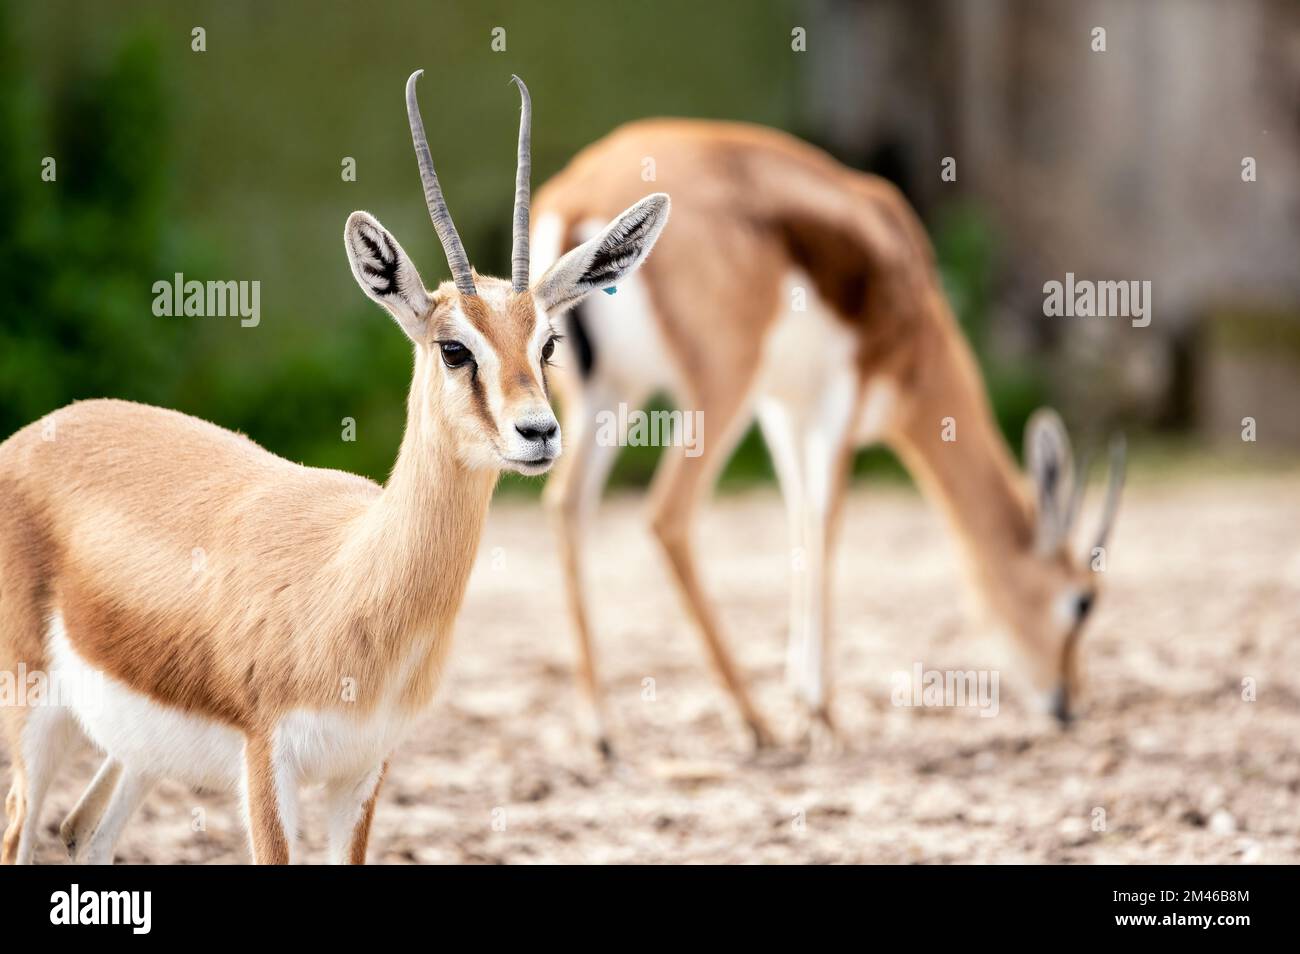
x,y
805,293
260,623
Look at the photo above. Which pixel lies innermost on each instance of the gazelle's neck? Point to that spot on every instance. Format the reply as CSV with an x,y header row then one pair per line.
x,y
416,544
950,442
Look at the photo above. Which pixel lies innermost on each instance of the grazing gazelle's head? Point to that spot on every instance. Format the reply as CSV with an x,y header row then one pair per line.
x,y
483,344
1056,585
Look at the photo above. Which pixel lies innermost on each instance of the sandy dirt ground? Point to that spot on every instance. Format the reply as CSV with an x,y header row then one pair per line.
x,y
1203,592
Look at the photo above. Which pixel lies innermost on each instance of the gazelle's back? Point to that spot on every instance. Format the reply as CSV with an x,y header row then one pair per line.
x,y
115,447
192,498
98,469
749,203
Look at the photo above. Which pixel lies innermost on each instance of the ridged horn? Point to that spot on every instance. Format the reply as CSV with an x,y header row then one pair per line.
x,y
442,223
523,174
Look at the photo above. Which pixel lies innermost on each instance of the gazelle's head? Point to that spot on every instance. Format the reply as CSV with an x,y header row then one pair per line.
x,y
1055,585
483,344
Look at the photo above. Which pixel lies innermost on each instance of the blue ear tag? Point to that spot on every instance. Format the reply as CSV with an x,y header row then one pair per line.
x,y
610,290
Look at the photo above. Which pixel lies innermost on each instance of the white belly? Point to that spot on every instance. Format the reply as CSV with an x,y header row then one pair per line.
x,y
809,357
161,741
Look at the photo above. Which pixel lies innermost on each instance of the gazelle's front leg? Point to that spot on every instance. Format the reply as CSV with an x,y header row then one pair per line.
x,y
680,482
572,495
270,801
351,811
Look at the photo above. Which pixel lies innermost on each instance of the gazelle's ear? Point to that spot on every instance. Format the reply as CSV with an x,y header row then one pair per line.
x,y
609,257
385,273
1050,464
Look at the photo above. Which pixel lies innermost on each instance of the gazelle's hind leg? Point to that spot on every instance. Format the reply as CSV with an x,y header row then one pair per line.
x,y
351,812
811,451
42,743
680,483
92,828
270,792
125,797
15,812
81,822
572,494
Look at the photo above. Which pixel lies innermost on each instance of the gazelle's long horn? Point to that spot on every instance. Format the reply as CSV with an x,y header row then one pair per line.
x,y
442,223
523,174
1118,453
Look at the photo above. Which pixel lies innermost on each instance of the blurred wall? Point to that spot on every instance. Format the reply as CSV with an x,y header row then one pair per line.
x,y
1122,164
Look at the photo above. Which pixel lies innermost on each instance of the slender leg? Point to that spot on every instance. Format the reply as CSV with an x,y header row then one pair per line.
x,y
679,485
571,496
351,811
270,802
44,742
129,793
781,434
828,474
812,455
15,811
84,817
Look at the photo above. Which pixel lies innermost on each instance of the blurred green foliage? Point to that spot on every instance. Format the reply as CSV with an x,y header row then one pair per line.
x,y
225,164
75,250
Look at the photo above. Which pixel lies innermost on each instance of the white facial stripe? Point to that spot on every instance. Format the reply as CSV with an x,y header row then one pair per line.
x,y
485,356
489,363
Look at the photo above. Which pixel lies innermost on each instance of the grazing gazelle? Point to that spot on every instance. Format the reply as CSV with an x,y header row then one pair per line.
x,y
259,623
804,293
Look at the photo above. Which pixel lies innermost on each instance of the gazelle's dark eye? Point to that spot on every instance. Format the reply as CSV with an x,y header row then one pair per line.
x,y
1083,606
548,349
455,354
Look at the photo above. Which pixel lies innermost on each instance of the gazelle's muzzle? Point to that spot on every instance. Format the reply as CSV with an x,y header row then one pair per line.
x,y
532,441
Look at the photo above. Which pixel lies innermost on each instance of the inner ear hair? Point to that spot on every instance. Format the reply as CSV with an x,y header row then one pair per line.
x,y
619,250
606,259
1049,457
385,273
379,266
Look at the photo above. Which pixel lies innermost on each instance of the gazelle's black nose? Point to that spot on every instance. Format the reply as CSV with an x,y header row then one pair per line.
x,y
533,431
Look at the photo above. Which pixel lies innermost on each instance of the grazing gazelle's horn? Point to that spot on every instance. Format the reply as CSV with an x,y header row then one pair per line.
x,y
442,223
1118,452
519,250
